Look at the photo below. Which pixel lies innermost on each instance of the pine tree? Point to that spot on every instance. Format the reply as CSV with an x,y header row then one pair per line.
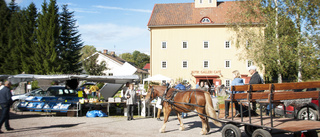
x,y
11,62
46,51
28,36
4,23
71,44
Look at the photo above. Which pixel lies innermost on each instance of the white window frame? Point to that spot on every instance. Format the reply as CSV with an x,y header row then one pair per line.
x,y
227,82
204,64
208,44
186,44
165,63
225,44
162,45
183,64
225,64
247,63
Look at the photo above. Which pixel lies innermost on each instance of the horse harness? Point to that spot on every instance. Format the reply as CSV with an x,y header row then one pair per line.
x,y
171,101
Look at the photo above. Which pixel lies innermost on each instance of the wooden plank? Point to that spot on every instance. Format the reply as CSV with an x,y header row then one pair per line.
x,y
240,88
295,95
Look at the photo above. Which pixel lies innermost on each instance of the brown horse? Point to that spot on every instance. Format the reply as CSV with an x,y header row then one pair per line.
x,y
184,101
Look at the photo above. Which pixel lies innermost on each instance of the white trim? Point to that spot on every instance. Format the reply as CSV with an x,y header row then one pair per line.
x,y
187,64
162,65
247,62
203,64
203,44
225,44
162,44
225,64
182,44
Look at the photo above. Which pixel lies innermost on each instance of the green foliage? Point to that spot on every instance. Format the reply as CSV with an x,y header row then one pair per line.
x,y
87,51
70,43
92,67
34,85
137,58
276,42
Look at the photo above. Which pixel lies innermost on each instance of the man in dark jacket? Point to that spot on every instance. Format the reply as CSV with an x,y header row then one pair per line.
x,y
5,102
255,79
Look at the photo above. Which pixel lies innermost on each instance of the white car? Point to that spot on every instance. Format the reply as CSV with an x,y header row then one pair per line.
x,y
16,98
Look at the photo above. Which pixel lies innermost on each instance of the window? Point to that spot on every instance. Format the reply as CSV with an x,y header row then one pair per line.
x,y
205,64
248,44
228,83
205,20
200,1
227,64
164,64
184,64
227,44
210,1
184,44
205,44
249,63
110,74
164,45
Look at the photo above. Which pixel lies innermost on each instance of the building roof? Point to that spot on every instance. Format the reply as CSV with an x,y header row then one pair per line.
x,y
147,66
122,61
184,14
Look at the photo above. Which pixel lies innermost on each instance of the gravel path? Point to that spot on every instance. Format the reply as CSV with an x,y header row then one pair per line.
x,y
31,124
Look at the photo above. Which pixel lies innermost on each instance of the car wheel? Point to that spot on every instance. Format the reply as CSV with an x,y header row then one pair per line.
x,y
15,105
303,114
261,133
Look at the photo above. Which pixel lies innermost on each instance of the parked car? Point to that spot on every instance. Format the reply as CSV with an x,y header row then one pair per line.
x,y
301,111
17,98
61,91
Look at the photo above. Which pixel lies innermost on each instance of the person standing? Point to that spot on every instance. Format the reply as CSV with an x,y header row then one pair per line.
x,y
130,95
5,102
202,86
94,89
124,90
255,79
236,81
183,88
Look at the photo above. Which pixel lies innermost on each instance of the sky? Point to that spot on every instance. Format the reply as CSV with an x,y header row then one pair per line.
x,y
115,25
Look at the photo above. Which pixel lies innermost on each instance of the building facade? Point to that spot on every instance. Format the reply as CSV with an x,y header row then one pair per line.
x,y
191,42
118,66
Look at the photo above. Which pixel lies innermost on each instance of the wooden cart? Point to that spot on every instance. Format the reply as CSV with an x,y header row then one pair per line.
x,y
265,126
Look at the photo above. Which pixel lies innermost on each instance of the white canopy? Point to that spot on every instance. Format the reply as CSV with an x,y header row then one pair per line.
x,y
107,79
158,77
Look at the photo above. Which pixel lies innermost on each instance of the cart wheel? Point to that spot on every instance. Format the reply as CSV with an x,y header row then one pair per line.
x,y
230,130
261,133
250,129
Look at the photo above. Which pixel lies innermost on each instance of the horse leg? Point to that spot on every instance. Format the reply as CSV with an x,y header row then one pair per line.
x,y
204,121
181,128
208,125
166,112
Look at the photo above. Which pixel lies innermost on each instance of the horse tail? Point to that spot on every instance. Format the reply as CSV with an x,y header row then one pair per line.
x,y
210,110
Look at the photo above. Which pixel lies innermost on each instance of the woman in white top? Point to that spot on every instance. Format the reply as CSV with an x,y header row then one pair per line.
x,y
130,95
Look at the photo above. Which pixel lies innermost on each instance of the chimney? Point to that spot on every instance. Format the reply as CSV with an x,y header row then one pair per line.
x,y
112,53
105,51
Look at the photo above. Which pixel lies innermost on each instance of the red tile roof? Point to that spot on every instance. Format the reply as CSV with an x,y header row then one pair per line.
x,y
147,66
183,14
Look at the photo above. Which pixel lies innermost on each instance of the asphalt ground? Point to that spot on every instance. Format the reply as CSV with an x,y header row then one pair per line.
x,y
34,124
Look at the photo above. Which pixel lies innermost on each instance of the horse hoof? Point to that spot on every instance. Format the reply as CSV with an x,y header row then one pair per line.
x,y
203,133
161,131
181,128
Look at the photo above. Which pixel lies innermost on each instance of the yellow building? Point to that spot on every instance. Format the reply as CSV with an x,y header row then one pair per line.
x,y
190,41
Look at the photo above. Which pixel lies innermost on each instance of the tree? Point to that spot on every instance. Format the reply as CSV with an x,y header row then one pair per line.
x,y
28,38
271,36
46,56
138,59
92,67
71,44
12,63
4,22
87,51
